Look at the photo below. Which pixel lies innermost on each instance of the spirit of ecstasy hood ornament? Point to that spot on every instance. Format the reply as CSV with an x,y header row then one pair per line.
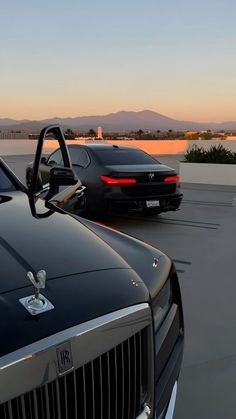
x,y
37,303
38,282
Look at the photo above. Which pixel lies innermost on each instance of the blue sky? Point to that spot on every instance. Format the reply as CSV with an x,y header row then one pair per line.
x,y
69,58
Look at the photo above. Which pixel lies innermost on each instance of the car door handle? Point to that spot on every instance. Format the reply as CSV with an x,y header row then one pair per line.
x,y
80,190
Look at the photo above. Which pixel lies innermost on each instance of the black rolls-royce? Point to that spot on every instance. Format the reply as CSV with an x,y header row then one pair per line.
x,y
91,319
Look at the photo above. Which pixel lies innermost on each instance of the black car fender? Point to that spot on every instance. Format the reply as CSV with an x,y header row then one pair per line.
x,y
150,264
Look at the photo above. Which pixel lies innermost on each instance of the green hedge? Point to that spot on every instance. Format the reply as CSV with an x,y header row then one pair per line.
x,y
215,154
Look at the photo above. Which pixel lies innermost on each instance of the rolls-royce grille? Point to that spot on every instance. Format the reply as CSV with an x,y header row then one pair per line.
x,y
149,190
114,385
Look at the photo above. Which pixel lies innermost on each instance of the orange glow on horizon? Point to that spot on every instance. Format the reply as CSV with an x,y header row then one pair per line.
x,y
149,146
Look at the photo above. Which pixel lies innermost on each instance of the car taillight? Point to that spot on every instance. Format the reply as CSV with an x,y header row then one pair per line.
x,y
117,181
171,179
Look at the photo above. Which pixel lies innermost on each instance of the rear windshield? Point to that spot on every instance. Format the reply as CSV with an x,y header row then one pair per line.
x,y
117,156
5,184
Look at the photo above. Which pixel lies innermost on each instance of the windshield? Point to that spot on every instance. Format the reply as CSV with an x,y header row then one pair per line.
x,y
116,156
5,184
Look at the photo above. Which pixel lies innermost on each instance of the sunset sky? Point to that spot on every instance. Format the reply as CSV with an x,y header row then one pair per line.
x,y
87,57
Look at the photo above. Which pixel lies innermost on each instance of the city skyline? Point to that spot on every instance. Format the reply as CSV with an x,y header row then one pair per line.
x,y
77,58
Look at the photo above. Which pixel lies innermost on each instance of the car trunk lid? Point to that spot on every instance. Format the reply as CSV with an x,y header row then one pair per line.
x,y
140,171
148,180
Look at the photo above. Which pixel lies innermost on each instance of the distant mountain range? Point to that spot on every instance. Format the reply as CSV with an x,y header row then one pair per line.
x,y
120,121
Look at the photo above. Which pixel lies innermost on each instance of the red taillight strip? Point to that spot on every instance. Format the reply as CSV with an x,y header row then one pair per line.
x,y
171,179
117,181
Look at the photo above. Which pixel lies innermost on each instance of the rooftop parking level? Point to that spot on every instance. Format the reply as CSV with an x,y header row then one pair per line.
x,y
201,238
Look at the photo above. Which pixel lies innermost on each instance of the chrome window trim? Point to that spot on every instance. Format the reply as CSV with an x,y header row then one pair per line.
x,y
36,364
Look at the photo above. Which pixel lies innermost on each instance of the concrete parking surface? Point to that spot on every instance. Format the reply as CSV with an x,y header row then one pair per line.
x,y
201,238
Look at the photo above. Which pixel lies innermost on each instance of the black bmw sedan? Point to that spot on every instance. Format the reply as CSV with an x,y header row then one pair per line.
x,y
119,179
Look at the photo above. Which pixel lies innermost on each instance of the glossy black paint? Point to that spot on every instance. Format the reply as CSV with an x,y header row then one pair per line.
x,y
102,198
87,277
58,243
77,298
91,270
139,255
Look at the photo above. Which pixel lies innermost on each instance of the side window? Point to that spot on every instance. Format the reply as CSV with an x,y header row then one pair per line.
x,y
55,159
79,157
84,159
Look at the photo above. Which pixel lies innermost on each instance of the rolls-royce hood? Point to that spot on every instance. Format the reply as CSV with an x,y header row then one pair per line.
x,y
86,278
58,244
76,299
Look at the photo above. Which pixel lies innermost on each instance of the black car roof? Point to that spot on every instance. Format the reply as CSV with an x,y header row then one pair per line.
x,y
103,146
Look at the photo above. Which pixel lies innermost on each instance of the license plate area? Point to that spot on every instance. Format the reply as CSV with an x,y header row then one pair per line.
x,y
152,203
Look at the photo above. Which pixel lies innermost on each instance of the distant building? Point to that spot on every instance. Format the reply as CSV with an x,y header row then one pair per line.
x,y
190,133
13,135
99,133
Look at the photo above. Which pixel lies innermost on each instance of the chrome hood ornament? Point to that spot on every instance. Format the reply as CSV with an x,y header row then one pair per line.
x,y
38,282
37,303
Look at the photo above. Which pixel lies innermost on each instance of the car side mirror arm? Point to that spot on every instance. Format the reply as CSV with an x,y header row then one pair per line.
x,y
56,130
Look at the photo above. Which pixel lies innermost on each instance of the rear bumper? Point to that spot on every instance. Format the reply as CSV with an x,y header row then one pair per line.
x,y
119,202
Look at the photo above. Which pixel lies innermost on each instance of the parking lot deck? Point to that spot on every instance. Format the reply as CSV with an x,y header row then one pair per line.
x,y
201,238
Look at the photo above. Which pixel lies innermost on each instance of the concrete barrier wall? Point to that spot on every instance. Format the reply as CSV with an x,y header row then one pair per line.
x,y
161,147
211,174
